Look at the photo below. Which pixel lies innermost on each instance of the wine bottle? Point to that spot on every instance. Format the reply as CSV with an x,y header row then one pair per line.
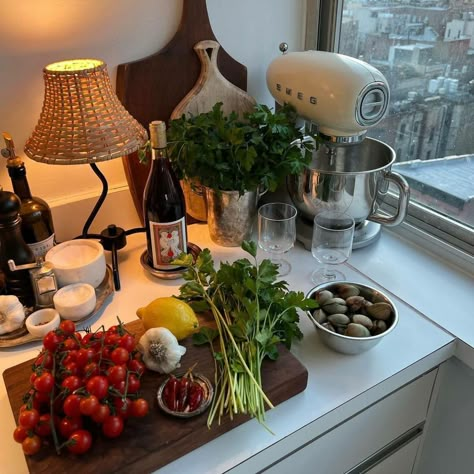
x,y
164,207
36,220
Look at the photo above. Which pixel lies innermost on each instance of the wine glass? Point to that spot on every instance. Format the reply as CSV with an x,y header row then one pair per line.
x,y
277,232
333,233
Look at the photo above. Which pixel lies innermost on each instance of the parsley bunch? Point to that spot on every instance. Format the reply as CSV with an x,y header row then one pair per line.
x,y
229,154
253,313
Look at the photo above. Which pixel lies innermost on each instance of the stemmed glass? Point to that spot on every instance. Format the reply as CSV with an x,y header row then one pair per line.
x,y
333,233
277,232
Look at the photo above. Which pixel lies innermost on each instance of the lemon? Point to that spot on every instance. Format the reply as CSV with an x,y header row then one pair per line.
x,y
171,313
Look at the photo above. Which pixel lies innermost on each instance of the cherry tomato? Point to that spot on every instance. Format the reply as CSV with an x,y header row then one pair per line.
x,y
133,383
91,369
67,327
31,445
70,344
113,329
71,383
29,418
88,405
41,397
43,428
84,356
71,405
33,377
45,360
120,387
112,339
112,426
123,406
70,357
136,366
98,386
79,442
102,412
139,408
127,341
20,434
120,355
71,368
68,425
44,383
51,341
116,374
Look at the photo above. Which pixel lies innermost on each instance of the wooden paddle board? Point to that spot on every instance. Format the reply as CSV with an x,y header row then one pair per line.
x,y
151,88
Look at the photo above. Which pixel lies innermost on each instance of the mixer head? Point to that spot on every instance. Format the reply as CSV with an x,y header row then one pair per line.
x,y
342,96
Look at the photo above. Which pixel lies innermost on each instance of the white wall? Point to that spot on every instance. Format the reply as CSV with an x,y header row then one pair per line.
x,y
37,32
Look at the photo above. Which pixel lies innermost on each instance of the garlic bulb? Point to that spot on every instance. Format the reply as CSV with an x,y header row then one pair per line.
x,y
12,313
161,350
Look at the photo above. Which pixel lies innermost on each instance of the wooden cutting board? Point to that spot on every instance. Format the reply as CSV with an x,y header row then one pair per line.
x,y
151,88
152,442
212,87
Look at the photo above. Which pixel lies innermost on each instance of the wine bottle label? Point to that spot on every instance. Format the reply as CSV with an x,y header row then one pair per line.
x,y
168,240
40,249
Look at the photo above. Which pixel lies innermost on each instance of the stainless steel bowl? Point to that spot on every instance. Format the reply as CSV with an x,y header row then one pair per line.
x,y
353,179
347,344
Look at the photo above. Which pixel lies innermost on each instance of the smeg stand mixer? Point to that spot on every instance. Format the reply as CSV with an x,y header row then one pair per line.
x,y
342,97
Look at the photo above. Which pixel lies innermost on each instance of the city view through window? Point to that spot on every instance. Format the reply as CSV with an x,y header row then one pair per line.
x,y
425,49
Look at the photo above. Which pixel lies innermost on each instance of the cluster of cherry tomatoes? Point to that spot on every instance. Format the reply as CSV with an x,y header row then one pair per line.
x,y
81,384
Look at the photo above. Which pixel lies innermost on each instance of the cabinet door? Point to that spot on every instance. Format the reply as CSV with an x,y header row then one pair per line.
x,y
366,438
400,462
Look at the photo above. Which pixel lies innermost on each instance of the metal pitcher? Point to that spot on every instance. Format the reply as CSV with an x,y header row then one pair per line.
x,y
230,216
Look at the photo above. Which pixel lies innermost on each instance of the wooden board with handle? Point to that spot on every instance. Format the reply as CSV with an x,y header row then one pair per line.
x,y
212,87
152,442
151,88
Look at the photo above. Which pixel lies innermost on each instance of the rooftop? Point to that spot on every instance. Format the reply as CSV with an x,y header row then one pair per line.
x,y
450,177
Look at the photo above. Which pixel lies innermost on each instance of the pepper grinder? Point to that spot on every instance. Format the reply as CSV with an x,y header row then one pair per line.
x,y
12,246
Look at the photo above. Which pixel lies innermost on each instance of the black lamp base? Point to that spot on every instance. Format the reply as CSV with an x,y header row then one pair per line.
x,y
112,238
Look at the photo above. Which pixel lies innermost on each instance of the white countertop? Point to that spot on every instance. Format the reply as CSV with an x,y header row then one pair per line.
x,y
338,385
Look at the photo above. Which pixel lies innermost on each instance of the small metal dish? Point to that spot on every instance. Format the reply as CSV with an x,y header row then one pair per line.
x,y
173,274
208,394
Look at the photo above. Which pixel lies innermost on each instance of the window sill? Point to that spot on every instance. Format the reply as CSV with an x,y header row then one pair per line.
x,y
433,278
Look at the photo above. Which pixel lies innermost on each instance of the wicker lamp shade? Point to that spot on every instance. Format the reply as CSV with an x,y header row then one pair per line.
x,y
82,120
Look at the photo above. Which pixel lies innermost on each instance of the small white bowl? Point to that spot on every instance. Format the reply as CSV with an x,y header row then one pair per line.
x,y
75,301
78,261
42,321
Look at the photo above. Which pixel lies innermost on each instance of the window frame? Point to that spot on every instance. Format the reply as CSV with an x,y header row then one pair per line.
x,y
323,28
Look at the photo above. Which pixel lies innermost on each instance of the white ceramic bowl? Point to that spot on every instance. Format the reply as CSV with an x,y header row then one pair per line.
x,y
348,344
42,321
78,261
75,301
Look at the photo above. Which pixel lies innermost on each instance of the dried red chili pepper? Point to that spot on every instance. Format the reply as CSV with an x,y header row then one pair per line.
x,y
170,393
195,398
184,385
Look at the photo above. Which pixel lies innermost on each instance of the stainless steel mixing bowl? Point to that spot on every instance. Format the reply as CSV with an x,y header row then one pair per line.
x,y
353,179
347,344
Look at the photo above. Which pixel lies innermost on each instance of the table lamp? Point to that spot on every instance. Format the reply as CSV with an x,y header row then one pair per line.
x,y
83,121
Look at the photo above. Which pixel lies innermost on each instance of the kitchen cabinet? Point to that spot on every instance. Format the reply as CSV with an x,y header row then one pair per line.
x,y
383,436
399,462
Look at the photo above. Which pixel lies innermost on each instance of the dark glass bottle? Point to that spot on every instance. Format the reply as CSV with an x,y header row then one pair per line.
x,y
12,246
36,220
163,205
